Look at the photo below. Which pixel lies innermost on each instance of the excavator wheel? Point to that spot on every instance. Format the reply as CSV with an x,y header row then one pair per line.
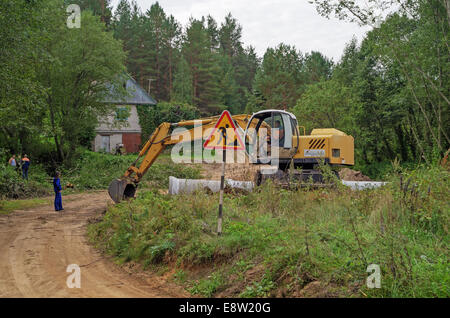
x,y
121,189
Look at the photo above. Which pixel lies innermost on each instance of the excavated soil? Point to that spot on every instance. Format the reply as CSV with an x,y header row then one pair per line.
x,y
235,171
352,175
247,172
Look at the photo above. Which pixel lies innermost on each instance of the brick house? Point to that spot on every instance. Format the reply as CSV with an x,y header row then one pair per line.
x,y
122,126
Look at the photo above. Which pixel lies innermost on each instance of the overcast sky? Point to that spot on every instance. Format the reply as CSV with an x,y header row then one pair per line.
x,y
266,23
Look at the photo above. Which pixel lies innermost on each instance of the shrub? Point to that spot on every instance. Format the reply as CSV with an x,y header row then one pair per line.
x,y
12,186
96,170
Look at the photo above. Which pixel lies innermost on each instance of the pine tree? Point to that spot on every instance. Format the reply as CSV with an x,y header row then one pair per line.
x,y
182,83
125,28
213,33
317,67
243,61
155,18
281,79
172,31
203,64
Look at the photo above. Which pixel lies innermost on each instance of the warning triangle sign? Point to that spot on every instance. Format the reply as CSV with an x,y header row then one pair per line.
x,y
224,134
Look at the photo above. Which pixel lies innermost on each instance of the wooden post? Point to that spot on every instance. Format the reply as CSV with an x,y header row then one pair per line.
x,y
219,141
222,185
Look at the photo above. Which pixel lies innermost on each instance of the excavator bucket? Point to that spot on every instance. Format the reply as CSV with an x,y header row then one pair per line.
x,y
121,189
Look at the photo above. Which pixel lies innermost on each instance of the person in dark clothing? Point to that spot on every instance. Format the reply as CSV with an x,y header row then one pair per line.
x,y
25,166
57,188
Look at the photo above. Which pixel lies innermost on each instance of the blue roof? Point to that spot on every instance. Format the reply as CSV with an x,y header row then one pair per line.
x,y
136,95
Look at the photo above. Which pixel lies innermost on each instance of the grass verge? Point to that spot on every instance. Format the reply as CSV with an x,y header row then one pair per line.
x,y
7,206
292,243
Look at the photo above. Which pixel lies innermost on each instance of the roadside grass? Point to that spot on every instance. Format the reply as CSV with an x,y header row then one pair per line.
x,y
12,186
7,206
277,242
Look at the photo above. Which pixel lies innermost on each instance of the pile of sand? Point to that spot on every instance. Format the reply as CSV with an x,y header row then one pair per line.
x,y
235,171
352,175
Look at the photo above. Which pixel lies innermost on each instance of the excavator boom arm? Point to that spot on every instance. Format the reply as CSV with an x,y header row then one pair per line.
x,y
158,141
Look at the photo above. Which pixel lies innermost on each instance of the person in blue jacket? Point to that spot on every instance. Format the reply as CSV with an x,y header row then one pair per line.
x,y
25,166
57,187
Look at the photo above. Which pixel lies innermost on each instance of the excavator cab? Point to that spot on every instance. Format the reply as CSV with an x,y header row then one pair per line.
x,y
272,136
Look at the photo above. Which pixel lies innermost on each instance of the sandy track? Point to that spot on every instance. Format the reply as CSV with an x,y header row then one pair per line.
x,y
37,245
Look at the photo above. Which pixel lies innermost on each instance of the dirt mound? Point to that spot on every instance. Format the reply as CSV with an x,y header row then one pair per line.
x,y
235,171
247,172
352,175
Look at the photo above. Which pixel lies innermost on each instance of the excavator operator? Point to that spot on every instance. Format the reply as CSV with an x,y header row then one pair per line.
x,y
278,133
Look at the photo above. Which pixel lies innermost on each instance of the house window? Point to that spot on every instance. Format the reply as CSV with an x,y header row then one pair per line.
x,y
122,114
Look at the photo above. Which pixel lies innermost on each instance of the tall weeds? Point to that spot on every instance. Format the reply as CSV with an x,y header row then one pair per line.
x,y
287,239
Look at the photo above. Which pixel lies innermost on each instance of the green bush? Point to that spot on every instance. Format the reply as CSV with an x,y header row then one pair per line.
x,y
12,186
96,170
91,171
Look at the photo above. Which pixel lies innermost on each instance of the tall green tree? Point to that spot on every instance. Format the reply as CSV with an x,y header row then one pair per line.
x,y
209,56
182,86
203,65
122,22
213,33
84,63
54,79
172,45
153,42
22,97
154,59
328,104
412,44
317,67
243,63
281,79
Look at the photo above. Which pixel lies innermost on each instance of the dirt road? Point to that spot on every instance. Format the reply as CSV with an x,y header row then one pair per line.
x,y
37,245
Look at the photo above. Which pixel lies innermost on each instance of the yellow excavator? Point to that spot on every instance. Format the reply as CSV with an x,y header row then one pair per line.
x,y
328,145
